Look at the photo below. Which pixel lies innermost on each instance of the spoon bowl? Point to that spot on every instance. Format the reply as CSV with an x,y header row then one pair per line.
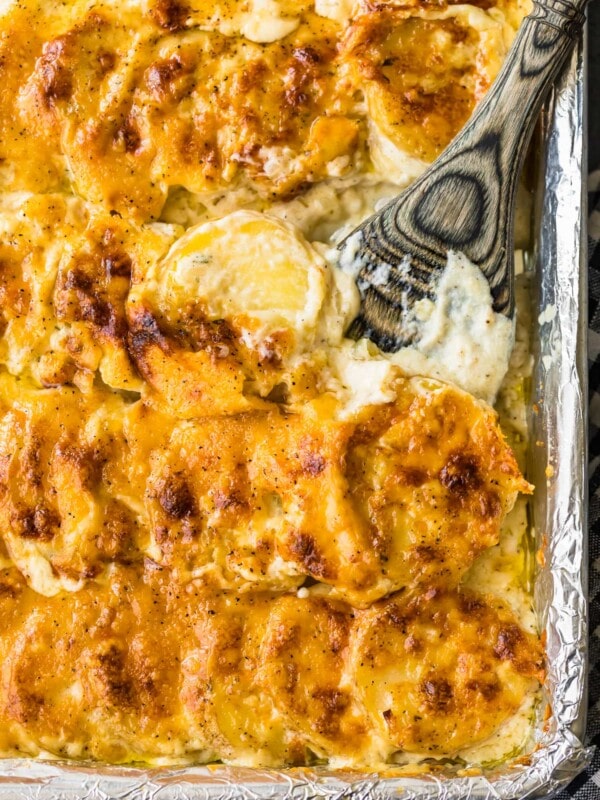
x,y
465,201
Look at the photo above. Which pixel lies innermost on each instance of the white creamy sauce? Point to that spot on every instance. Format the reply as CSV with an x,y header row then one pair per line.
x,y
339,10
365,381
462,333
264,23
458,336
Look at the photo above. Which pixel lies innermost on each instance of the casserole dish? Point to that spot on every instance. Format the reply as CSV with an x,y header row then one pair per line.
x,y
557,466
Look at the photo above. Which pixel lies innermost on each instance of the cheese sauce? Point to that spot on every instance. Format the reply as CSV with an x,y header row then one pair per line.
x,y
226,531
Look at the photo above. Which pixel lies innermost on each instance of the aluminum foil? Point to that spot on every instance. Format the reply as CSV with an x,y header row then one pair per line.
x,y
557,462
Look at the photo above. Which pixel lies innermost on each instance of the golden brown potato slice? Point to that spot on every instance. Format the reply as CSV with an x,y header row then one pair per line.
x,y
219,688
409,493
72,481
422,75
215,96
432,477
440,671
233,313
236,499
303,668
65,275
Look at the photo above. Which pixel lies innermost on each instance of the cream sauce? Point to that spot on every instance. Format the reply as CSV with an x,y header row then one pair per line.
x,y
458,336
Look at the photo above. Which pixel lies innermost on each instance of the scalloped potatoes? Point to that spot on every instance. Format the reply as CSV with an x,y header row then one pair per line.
x,y
213,96
226,532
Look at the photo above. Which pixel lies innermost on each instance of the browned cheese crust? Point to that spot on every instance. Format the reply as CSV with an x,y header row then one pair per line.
x,y
68,316
405,494
208,550
144,667
137,103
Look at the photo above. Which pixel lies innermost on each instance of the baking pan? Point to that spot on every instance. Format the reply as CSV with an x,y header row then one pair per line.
x,y
557,466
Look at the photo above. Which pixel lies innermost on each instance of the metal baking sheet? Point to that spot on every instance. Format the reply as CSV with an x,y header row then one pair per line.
x,y
557,467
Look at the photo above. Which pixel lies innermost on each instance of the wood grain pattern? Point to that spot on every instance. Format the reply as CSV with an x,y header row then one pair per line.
x,y
465,200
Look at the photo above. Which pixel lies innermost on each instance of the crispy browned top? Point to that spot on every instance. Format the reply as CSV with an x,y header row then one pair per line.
x,y
150,448
451,686
137,103
403,494
138,667
206,551
220,468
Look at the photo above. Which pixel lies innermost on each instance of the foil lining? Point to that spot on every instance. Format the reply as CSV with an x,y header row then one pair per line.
x,y
557,462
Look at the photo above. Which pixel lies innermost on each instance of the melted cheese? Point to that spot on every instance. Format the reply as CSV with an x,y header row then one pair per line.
x,y
65,270
269,94
418,699
415,490
226,532
128,670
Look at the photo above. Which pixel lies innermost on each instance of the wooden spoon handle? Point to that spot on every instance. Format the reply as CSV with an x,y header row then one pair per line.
x,y
465,202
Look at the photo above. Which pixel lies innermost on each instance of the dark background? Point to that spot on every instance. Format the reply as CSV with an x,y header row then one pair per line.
x,y
594,85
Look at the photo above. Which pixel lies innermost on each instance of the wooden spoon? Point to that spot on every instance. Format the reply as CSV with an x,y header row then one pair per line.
x,y
465,201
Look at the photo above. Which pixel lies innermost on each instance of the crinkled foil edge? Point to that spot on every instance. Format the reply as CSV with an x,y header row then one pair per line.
x,y
558,462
